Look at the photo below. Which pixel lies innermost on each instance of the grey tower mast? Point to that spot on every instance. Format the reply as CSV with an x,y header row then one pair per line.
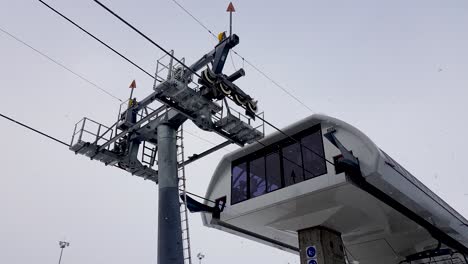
x,y
170,248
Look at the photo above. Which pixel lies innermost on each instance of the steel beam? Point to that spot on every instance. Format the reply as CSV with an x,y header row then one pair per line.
x,y
205,153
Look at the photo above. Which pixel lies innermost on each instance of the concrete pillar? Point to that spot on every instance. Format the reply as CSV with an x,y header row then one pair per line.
x,y
169,229
327,243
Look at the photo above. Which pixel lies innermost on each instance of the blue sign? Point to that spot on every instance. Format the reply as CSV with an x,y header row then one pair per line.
x,y
312,261
311,252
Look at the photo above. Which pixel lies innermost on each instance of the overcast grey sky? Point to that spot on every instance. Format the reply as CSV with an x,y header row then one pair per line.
x,y
397,70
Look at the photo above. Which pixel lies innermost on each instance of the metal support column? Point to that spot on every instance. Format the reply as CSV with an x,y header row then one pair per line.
x,y
169,228
320,245
61,253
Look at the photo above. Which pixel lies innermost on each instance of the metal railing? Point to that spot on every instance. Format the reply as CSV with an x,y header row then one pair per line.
x,y
256,124
166,68
145,111
88,130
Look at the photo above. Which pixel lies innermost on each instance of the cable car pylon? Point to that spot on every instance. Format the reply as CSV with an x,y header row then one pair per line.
x,y
151,128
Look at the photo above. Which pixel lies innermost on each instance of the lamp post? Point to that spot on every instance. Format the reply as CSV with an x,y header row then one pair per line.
x,y
62,245
200,256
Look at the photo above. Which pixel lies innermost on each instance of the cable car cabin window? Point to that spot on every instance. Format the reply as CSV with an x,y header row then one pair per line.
x,y
292,164
313,155
257,177
273,171
239,183
281,164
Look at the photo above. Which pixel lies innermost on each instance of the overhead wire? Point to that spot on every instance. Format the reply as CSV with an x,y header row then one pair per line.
x,y
68,145
146,37
232,60
274,82
35,130
203,139
97,39
196,19
59,64
261,72
172,56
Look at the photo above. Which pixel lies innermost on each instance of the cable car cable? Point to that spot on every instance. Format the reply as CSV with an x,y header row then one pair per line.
x,y
196,19
146,37
60,64
97,39
35,130
65,144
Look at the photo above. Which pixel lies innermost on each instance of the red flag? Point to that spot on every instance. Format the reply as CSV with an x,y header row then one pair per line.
x,y
133,85
231,8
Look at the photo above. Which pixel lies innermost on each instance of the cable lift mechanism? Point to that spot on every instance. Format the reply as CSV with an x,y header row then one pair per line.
x,y
155,133
182,100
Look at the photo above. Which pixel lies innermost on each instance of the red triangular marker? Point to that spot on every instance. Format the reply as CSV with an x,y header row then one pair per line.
x,y
132,85
230,8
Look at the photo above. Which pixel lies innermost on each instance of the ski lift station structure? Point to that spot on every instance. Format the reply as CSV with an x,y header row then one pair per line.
x,y
290,181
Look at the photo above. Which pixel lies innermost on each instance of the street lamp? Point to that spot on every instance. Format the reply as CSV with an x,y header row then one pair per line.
x,y
200,256
62,245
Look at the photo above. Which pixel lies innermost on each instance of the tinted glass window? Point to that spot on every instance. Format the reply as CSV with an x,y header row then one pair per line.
x,y
312,150
273,171
257,177
283,164
292,164
239,183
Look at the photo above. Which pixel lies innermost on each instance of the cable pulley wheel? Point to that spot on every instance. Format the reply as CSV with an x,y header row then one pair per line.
x,y
224,89
239,100
252,106
207,76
